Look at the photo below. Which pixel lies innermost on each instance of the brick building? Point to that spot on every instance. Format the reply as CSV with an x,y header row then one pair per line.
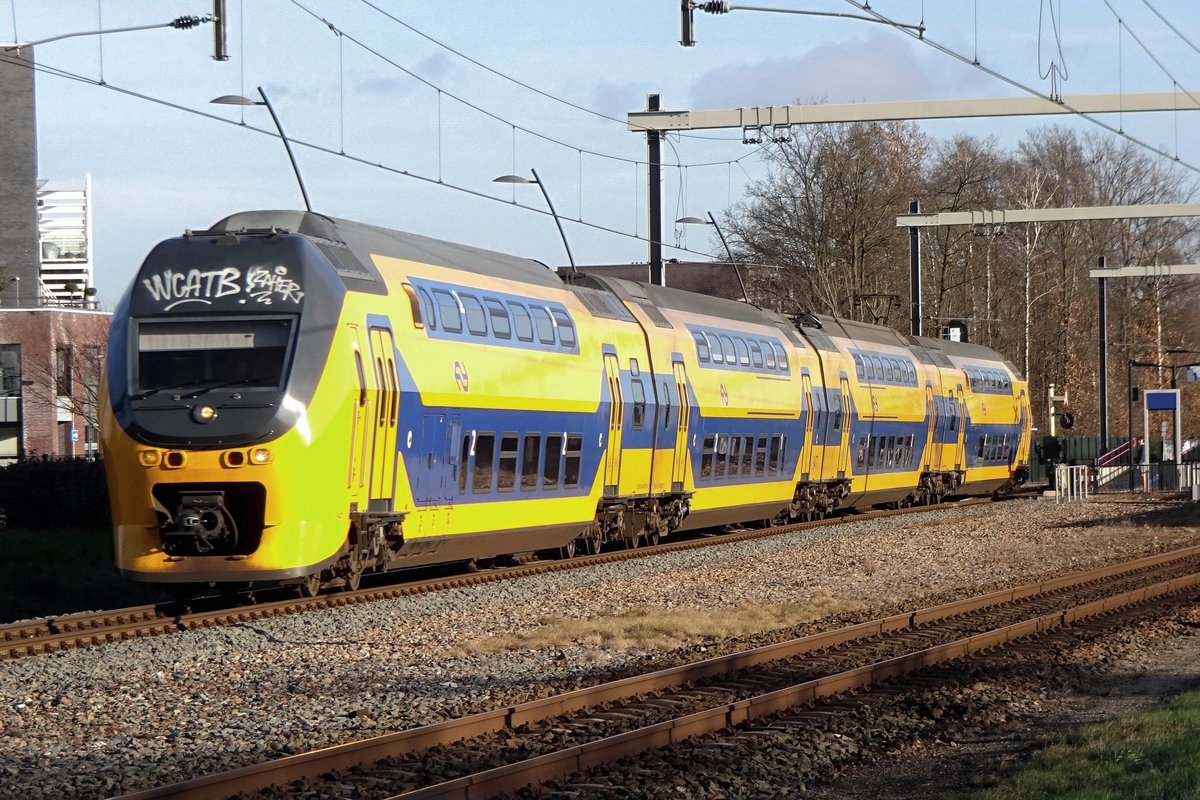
x,y
51,363
51,338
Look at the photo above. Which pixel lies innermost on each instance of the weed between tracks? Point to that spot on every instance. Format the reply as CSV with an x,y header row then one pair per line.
x,y
662,629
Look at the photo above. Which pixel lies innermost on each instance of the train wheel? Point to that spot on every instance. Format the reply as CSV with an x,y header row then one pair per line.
x,y
633,542
310,586
568,550
591,545
653,537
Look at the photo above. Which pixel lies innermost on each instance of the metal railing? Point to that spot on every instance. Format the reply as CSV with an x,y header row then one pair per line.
x,y
1071,483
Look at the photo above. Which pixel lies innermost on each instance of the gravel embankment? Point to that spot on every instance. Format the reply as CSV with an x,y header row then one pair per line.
x,y
129,716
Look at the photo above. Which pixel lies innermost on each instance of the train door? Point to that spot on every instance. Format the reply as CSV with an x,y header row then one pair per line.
x,y
930,430
960,417
684,419
431,476
616,411
807,409
843,418
387,411
360,428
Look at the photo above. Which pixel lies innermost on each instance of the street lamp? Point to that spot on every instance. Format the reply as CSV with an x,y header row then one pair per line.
x,y
712,221
545,194
238,100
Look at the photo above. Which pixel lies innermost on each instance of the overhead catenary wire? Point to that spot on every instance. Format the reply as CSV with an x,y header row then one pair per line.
x,y
362,161
1092,118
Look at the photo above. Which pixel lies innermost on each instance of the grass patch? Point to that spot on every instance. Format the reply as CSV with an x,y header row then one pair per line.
x,y
1152,755
44,573
660,628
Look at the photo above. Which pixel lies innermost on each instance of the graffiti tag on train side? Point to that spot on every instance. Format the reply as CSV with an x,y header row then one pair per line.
x,y
262,285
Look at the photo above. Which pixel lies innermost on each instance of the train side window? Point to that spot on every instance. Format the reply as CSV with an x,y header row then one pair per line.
x,y
574,459
743,353
448,311
476,321
722,452
706,458
871,451
718,354
735,455
427,305
666,403
730,353
756,357
858,367
529,461
760,456
889,374
780,356
543,325
463,461
414,305
552,461
639,405
702,354
747,455
362,379
876,368
485,448
953,411
882,454
522,324
837,414
912,452
506,475
501,325
769,352
776,452
566,330
862,451
891,451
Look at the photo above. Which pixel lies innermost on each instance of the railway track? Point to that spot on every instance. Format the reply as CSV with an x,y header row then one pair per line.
x,y
557,740
59,633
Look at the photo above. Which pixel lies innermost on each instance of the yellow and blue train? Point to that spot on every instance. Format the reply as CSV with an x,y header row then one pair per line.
x,y
296,398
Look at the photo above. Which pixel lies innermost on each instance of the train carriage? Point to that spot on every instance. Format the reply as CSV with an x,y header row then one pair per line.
x,y
297,398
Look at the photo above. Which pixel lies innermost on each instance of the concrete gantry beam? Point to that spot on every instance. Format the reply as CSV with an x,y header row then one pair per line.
x,y
1018,215
1148,271
818,113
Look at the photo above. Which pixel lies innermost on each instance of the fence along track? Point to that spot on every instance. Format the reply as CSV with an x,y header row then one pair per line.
x,y
311,766
87,630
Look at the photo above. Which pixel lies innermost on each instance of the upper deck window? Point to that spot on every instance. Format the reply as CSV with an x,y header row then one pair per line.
x,y
448,310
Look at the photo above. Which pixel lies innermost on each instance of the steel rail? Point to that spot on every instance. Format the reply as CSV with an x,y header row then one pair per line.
x,y
308,766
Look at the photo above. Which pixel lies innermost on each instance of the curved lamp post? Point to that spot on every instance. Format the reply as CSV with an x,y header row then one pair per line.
x,y
712,221
553,213
238,100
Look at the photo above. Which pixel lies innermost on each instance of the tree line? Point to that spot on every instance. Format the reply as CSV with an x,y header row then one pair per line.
x,y
818,234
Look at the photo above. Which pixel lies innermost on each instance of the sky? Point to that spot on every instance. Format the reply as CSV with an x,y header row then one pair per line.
x,y
402,113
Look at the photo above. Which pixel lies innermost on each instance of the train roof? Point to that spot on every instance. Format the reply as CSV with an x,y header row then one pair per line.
x,y
367,240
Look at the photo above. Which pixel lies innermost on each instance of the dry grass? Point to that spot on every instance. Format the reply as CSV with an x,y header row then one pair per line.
x,y
661,628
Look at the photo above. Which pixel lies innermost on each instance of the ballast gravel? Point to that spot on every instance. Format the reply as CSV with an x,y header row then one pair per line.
x,y
129,716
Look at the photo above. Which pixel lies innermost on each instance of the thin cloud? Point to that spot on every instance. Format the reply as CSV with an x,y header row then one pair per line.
x,y
880,66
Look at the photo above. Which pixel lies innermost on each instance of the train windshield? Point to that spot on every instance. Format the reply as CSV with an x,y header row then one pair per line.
x,y
202,355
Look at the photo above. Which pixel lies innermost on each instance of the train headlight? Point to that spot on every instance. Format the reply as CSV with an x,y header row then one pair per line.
x,y
148,458
204,414
260,455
